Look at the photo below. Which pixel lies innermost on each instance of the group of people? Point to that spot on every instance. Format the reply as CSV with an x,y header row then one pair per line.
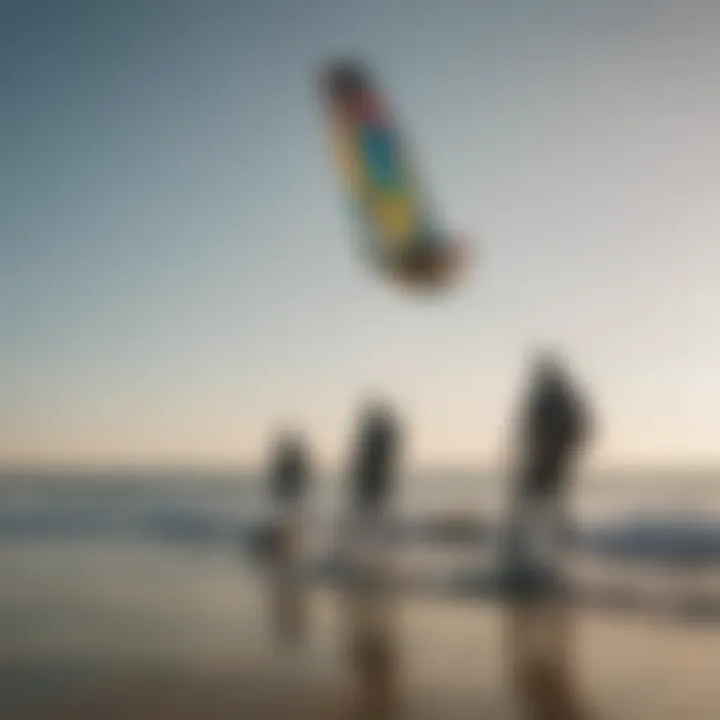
x,y
554,426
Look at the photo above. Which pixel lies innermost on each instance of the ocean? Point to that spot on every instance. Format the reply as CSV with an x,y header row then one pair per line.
x,y
217,507
114,573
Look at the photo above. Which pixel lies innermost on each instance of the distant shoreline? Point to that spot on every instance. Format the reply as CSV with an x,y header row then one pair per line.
x,y
161,468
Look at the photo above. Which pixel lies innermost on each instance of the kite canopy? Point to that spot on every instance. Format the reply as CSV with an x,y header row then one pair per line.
x,y
398,228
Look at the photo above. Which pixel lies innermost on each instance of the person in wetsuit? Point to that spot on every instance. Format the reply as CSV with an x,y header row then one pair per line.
x,y
290,470
555,425
362,536
375,463
287,485
368,601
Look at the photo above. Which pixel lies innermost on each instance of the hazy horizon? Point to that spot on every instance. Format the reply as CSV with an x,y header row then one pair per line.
x,y
178,277
178,468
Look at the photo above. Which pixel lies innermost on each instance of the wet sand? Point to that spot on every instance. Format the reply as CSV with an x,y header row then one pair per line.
x,y
452,665
182,644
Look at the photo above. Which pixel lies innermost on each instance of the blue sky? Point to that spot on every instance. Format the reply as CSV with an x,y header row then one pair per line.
x,y
177,275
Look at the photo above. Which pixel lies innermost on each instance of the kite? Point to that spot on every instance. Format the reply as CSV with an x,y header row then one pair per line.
x,y
400,233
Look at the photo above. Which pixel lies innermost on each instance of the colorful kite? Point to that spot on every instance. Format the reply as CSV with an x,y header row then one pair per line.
x,y
399,231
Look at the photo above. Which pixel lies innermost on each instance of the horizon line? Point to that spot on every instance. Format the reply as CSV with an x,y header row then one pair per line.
x,y
166,467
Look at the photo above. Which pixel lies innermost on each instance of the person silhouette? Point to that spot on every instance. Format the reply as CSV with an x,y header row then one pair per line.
x,y
287,483
554,426
369,599
376,457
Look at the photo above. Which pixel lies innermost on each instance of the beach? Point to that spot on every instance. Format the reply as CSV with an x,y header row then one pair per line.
x,y
127,630
360,360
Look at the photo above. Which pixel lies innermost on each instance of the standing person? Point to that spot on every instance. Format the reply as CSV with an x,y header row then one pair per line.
x,y
376,460
373,466
368,600
289,472
555,425
288,481
287,484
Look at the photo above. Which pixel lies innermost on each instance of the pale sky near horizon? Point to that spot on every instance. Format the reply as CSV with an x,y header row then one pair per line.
x,y
177,276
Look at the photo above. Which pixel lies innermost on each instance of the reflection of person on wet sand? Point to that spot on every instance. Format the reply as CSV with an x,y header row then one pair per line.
x,y
373,654
368,602
539,642
288,609
287,484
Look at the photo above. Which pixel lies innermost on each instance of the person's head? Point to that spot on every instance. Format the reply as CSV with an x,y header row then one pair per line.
x,y
283,438
377,412
547,368
289,446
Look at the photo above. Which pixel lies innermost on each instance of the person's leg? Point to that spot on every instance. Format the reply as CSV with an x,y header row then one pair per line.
x,y
561,530
525,549
548,538
550,511
516,538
